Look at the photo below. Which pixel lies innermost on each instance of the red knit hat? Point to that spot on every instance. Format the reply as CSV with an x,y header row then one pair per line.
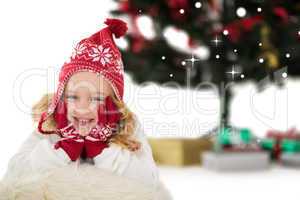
x,y
97,53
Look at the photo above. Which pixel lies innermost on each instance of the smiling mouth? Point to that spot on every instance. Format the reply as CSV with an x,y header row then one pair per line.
x,y
83,121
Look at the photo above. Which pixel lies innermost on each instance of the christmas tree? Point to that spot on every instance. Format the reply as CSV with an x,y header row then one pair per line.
x,y
225,41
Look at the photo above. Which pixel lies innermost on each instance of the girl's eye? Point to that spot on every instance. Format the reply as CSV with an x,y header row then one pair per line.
x,y
97,98
72,97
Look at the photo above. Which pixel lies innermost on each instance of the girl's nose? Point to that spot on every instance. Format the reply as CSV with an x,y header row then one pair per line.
x,y
83,106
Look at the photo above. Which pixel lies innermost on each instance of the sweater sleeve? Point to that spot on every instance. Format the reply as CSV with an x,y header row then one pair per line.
x,y
136,165
36,154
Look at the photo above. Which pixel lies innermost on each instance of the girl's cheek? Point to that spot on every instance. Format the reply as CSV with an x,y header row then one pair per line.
x,y
93,106
69,117
70,109
95,113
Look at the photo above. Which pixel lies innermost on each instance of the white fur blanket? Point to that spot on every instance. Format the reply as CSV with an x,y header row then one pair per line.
x,y
82,183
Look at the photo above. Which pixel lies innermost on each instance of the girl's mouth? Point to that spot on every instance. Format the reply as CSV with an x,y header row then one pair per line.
x,y
83,121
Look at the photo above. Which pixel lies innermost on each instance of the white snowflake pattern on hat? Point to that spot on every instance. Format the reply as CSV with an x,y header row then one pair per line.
x,y
119,66
102,54
79,50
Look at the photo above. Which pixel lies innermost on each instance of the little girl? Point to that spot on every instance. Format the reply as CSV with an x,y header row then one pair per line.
x,y
86,120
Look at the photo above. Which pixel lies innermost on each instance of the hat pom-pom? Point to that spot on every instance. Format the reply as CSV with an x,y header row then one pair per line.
x,y
116,26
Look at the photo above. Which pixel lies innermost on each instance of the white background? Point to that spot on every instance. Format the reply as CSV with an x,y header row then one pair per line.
x,y
36,37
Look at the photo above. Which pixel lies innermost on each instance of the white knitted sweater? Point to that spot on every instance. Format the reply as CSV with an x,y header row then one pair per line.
x,y
37,155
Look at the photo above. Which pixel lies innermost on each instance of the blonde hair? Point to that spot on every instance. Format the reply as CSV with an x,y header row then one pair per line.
x,y
122,138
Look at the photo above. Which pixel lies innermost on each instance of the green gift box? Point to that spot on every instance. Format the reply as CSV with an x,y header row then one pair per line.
x,y
227,137
268,143
290,146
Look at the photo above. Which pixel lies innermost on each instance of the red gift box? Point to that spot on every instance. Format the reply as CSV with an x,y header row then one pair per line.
x,y
278,136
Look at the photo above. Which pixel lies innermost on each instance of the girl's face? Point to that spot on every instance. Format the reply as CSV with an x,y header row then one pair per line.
x,y
85,91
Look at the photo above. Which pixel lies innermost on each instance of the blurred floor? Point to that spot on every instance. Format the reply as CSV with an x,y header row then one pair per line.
x,y
196,183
